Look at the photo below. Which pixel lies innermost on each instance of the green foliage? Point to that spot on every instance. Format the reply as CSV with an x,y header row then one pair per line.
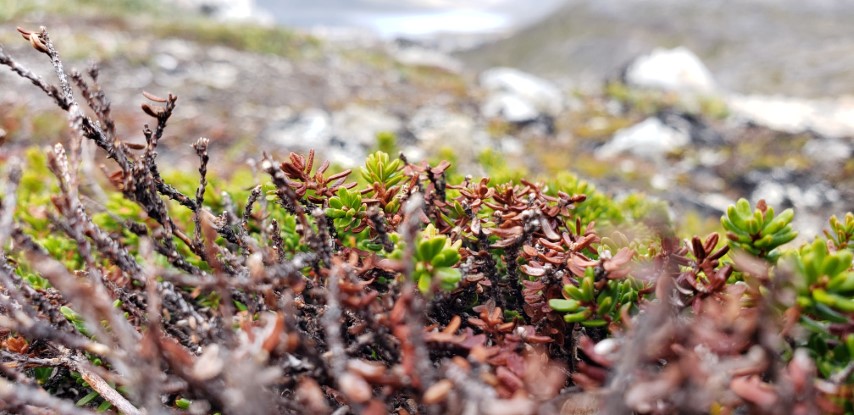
x,y
387,142
75,319
594,298
497,167
88,398
183,404
825,281
824,285
253,38
528,256
346,210
383,177
825,297
380,169
758,232
435,257
597,207
210,300
42,374
290,236
594,307
12,9
841,232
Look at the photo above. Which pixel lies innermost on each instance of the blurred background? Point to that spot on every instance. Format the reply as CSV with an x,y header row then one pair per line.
x,y
694,102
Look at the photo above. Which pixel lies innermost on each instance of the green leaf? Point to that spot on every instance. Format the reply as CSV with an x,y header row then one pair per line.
x,y
813,325
587,289
594,323
573,291
606,305
88,398
829,314
42,374
449,277
428,249
334,213
183,403
424,282
70,314
742,208
843,282
564,306
446,258
582,314
781,221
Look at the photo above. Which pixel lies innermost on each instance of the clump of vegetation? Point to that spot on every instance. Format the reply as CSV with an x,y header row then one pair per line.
x,y
402,290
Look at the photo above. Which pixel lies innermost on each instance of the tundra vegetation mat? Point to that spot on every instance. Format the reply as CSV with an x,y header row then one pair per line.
x,y
293,287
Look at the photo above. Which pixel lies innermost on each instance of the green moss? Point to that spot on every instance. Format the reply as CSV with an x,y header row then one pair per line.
x,y
17,9
252,38
597,207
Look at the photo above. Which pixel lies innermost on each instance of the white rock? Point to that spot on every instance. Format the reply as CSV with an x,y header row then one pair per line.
x,y
830,118
650,139
511,146
676,69
342,137
230,10
660,181
345,154
828,151
437,125
421,56
361,124
517,88
510,107
310,129
216,75
179,49
166,62
716,201
772,192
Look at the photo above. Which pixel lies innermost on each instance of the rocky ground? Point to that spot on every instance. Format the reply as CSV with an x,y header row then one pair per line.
x,y
252,89
767,47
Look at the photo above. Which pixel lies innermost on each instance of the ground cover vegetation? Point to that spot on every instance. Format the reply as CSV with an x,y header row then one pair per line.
x,y
296,287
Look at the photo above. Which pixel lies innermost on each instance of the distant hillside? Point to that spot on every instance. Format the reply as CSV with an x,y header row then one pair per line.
x,y
761,46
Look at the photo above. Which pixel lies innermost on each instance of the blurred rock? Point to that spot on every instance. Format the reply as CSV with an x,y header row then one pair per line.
x,y
417,55
829,151
509,107
360,125
676,69
650,139
310,129
811,196
830,118
435,124
343,137
697,128
802,196
517,96
437,127
229,10
217,75
715,201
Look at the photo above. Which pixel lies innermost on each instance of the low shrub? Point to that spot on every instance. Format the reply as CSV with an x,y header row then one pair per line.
x,y
401,288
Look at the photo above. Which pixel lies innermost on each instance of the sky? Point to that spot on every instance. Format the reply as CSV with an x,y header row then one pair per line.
x,y
410,17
